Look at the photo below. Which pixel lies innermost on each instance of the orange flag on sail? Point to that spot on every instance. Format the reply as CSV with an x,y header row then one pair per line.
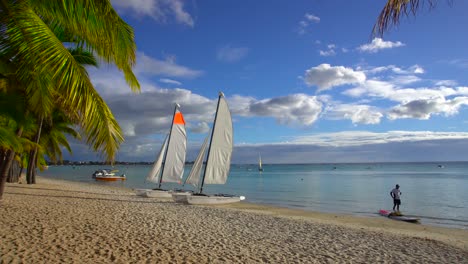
x,y
179,119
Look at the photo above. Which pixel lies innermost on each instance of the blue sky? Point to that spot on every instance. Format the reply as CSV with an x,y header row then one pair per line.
x,y
305,80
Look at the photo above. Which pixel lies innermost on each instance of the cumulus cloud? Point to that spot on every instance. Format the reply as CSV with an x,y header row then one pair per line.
x,y
423,109
378,44
325,76
160,10
231,54
296,108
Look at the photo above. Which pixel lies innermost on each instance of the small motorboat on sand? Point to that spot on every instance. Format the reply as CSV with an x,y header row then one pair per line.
x,y
108,175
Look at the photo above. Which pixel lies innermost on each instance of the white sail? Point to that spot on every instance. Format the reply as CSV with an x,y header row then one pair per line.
x,y
194,176
219,156
153,174
175,156
260,162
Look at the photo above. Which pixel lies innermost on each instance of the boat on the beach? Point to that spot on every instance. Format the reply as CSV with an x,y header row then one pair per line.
x,y
169,165
218,161
398,216
108,175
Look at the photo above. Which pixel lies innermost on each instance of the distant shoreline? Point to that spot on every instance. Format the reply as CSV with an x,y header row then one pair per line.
x,y
87,163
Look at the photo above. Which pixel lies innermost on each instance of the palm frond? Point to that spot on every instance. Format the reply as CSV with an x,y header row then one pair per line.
x,y
8,140
99,26
395,9
83,57
39,49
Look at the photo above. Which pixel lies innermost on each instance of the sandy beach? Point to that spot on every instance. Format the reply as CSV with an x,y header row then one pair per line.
x,y
56,221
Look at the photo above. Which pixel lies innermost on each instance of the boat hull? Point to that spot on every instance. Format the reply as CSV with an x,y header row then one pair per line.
x,y
181,197
214,199
117,178
150,193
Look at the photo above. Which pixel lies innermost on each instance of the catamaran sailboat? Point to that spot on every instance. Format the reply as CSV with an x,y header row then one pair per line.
x,y
169,165
218,161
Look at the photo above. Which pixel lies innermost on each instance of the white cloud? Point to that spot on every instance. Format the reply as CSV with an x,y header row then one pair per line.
x,y
231,54
326,53
160,10
446,83
312,18
325,76
149,66
169,81
295,108
378,44
330,51
201,127
304,23
415,69
423,109
359,138
358,114
390,91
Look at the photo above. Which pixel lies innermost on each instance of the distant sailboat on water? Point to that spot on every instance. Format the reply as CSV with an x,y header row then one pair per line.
x,y
169,165
260,167
218,161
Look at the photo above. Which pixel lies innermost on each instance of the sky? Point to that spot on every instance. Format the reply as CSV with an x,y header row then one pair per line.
x,y
306,81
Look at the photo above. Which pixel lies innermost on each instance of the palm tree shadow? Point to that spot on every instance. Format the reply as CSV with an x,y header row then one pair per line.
x,y
90,198
70,191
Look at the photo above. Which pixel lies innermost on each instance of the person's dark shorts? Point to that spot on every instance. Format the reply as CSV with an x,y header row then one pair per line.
x,y
396,201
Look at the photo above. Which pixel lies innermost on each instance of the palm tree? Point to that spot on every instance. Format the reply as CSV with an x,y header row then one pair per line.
x,y
52,138
395,9
32,54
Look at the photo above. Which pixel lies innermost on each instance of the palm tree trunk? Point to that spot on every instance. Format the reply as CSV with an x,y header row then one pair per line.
x,y
13,173
30,168
30,174
6,165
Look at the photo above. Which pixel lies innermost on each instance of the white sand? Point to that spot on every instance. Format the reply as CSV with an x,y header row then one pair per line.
x,y
57,221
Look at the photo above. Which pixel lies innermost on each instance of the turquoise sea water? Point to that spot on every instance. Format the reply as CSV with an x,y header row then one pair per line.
x,y
436,194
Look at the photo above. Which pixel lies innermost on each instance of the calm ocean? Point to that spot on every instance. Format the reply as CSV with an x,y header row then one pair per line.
x,y
435,192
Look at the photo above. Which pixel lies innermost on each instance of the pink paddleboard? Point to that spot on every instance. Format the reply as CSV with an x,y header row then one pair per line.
x,y
400,218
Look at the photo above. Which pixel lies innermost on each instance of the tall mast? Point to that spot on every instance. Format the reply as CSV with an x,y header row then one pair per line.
x,y
168,142
211,138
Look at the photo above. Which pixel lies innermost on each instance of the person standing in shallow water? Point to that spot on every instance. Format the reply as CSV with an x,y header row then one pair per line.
x,y
395,193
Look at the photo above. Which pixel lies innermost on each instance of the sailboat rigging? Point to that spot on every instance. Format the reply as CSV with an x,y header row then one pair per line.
x,y
169,165
218,161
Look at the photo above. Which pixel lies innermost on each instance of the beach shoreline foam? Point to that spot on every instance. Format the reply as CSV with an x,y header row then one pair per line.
x,y
62,221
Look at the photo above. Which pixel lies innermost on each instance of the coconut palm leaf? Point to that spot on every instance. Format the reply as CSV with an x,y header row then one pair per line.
x,y
395,9
8,139
83,57
56,70
53,138
98,25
